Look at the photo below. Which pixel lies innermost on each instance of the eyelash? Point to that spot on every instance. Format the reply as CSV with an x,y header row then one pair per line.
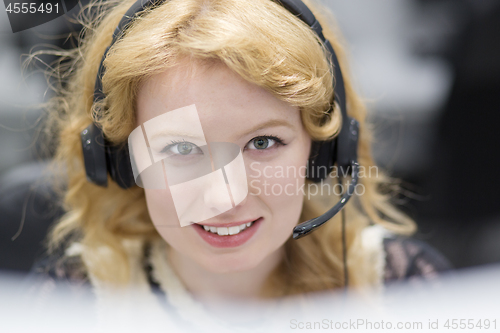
x,y
278,141
173,143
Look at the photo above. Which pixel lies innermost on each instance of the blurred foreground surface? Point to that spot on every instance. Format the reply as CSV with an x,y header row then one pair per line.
x,y
467,301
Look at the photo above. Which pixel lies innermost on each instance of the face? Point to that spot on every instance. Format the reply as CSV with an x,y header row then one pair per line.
x,y
274,147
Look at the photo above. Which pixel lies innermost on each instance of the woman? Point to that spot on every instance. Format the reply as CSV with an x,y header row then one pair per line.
x,y
253,75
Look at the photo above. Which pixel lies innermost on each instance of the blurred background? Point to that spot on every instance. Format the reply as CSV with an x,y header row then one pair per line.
x,y
429,71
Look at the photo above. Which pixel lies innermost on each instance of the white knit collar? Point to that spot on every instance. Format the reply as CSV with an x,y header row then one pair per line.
x,y
189,309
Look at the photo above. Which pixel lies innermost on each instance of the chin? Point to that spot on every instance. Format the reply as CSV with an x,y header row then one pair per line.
x,y
230,262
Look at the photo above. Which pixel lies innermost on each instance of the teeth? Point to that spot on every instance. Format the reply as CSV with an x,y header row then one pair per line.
x,y
224,231
234,230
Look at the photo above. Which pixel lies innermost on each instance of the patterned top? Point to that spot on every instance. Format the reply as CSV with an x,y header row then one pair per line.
x,y
405,259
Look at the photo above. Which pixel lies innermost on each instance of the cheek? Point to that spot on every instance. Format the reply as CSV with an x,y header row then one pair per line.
x,y
280,186
283,194
161,208
164,217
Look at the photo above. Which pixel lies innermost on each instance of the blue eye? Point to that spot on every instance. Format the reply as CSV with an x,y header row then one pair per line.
x,y
264,142
182,148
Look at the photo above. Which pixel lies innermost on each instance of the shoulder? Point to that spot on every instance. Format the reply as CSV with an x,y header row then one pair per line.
x,y
409,258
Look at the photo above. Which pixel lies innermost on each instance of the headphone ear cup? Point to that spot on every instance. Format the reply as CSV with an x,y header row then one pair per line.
x,y
99,157
120,168
321,160
94,155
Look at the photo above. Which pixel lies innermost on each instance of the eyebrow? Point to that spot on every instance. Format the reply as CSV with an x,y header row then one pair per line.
x,y
261,126
175,133
269,123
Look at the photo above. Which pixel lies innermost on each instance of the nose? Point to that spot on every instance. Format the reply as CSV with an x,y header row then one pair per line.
x,y
217,195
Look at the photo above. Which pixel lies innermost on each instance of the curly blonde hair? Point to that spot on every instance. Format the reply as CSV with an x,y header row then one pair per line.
x,y
266,45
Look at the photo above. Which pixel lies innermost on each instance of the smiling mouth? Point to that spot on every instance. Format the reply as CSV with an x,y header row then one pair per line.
x,y
227,231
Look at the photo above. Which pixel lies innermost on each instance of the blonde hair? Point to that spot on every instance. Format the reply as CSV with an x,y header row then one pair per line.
x,y
264,44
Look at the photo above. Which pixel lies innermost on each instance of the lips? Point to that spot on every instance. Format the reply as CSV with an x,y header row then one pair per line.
x,y
228,235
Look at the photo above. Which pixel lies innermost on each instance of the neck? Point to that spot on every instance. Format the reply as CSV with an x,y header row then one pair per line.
x,y
207,285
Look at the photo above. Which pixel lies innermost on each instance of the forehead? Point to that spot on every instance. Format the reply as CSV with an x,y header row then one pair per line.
x,y
223,99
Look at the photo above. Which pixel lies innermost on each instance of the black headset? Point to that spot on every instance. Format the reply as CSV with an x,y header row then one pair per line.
x,y
101,157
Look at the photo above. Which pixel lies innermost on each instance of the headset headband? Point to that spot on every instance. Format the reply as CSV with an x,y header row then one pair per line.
x,y
296,7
